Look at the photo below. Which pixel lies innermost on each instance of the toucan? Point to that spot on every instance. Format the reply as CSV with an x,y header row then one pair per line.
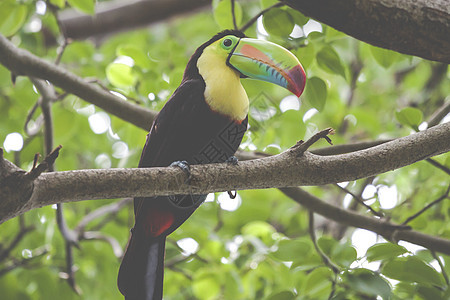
x,y
203,122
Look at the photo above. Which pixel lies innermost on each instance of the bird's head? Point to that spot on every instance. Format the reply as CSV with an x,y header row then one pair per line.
x,y
253,58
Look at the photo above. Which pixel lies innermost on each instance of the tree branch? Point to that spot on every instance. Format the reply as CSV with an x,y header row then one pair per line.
x,y
115,16
388,230
22,62
283,170
421,27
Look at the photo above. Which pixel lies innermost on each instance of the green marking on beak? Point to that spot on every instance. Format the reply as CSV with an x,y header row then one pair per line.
x,y
263,60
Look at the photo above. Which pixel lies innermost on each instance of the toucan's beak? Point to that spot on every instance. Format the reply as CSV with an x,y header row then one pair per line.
x,y
263,60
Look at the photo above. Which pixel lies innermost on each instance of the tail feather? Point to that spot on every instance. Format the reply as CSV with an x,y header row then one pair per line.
x,y
141,273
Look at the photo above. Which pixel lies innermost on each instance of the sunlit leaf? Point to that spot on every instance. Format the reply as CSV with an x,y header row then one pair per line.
x,y
284,295
12,17
223,15
384,251
139,56
306,55
120,75
86,6
291,250
384,57
409,116
59,3
318,283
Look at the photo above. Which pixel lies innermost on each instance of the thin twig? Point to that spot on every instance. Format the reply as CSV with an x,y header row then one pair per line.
x,y
444,196
302,146
20,235
100,212
360,201
439,165
441,265
255,18
326,260
39,169
233,14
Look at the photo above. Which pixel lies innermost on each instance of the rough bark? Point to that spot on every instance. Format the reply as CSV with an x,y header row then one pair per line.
x,y
287,169
420,27
119,15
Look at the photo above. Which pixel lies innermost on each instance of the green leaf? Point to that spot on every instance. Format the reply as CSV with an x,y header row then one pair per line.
x,y
284,295
429,292
343,254
368,283
86,6
328,59
139,57
298,17
223,15
278,22
409,116
260,229
383,57
384,251
318,283
59,3
411,269
206,286
316,92
306,55
120,75
12,17
268,3
291,250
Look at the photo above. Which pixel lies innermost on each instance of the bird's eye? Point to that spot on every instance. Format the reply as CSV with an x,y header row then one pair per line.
x,y
227,42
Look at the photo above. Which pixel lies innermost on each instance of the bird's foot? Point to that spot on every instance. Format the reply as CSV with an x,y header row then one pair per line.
x,y
232,160
185,167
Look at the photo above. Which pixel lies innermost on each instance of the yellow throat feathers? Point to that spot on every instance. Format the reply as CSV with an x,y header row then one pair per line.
x,y
224,92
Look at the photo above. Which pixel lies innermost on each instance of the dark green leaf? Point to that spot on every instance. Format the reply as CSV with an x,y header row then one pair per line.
x,y
411,269
328,59
429,292
278,22
316,92
368,283
384,251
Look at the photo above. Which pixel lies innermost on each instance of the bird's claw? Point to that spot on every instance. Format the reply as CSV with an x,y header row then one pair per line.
x,y
184,166
232,160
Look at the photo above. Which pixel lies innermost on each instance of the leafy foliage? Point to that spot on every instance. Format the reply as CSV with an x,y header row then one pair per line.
x,y
260,249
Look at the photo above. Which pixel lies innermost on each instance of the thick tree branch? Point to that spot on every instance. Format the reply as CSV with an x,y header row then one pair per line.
x,y
114,16
22,62
283,170
419,27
